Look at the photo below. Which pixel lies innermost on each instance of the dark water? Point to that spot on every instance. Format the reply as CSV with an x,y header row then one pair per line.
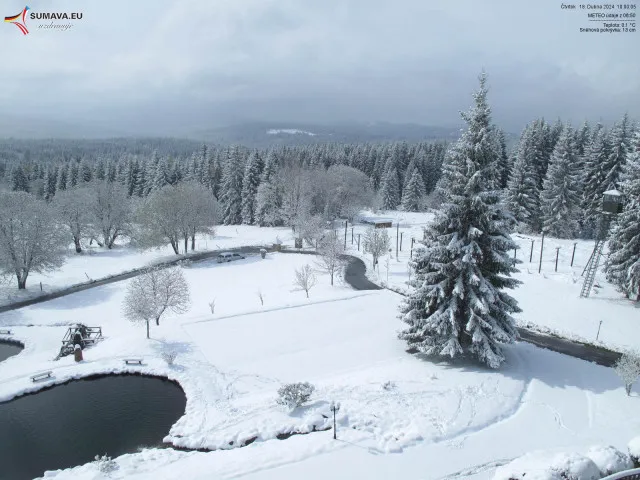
x,y
8,350
70,424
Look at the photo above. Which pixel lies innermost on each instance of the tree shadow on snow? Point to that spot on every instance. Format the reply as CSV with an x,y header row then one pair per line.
x,y
525,362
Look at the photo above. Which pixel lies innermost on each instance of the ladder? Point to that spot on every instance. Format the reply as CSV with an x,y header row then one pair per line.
x,y
591,268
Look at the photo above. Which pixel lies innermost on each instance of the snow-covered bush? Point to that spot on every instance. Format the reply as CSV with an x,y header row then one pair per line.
x,y
609,460
169,356
105,464
549,466
389,385
628,369
634,451
294,395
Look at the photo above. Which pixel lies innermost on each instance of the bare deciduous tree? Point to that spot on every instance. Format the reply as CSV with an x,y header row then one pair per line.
x,y
71,209
176,212
376,242
305,278
200,211
212,306
628,369
111,211
154,292
331,258
260,296
310,228
30,238
160,219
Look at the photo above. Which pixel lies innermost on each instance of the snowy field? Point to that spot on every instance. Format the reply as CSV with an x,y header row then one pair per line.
x,y
95,262
550,300
432,421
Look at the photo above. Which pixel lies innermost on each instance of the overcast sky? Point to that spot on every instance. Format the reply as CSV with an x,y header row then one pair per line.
x,y
155,65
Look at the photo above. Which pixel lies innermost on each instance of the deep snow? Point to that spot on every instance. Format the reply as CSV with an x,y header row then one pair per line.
x,y
434,420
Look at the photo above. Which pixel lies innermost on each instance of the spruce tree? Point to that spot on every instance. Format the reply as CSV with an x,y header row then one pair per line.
x,y
504,163
19,179
620,147
623,264
560,198
63,173
390,189
522,197
231,188
595,156
458,306
250,184
413,193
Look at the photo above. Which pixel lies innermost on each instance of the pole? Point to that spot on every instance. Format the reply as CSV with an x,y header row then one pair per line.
x,y
599,330
412,242
541,248
334,423
397,238
514,255
531,254
557,251
401,240
574,252
358,242
351,235
345,234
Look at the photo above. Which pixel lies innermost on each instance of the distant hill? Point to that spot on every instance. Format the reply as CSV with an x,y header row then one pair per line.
x,y
263,134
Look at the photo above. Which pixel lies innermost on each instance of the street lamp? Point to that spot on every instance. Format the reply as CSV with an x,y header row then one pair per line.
x,y
334,408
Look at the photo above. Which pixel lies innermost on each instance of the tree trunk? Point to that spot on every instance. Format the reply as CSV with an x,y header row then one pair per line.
x,y
307,291
147,328
174,245
22,282
627,387
193,242
186,243
332,278
76,241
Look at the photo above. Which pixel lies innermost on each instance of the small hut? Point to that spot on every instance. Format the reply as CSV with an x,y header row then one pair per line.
x,y
612,201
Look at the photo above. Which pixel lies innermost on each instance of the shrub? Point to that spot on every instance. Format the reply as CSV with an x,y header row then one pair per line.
x,y
105,464
294,395
169,356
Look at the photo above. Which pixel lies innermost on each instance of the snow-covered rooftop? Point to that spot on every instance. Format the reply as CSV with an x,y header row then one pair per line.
x,y
614,192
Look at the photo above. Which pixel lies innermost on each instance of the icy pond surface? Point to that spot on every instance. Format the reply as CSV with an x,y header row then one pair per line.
x,y
8,350
70,424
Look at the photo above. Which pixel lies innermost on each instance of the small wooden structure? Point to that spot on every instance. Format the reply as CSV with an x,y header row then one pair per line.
x,y
5,332
79,335
378,222
133,361
612,201
41,376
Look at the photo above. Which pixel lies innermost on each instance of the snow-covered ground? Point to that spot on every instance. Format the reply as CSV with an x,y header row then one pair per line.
x,y
95,262
431,421
550,300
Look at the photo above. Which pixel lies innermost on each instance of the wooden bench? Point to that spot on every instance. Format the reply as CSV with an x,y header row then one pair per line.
x,y
5,332
41,376
133,361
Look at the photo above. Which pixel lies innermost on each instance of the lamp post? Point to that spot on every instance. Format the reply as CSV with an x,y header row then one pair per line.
x,y
334,408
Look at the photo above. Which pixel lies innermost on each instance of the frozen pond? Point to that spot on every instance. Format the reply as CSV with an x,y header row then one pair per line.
x,y
68,425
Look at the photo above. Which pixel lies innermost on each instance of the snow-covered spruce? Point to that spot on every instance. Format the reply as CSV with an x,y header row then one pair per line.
x,y
609,460
250,183
522,196
623,264
231,187
458,306
413,193
560,200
